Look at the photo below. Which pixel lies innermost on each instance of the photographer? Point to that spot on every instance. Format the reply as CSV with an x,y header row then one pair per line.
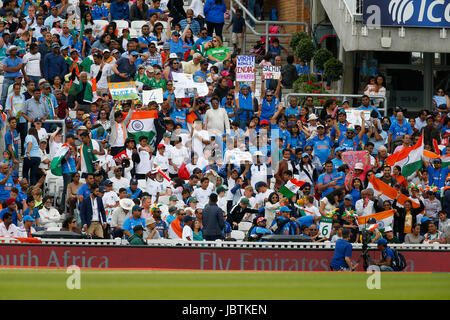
x,y
343,253
387,256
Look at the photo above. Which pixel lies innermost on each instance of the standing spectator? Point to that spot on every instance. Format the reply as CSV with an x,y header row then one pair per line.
x,y
119,10
199,15
99,11
288,73
125,68
92,213
238,31
33,157
212,220
191,22
139,11
54,64
12,66
119,133
214,10
216,119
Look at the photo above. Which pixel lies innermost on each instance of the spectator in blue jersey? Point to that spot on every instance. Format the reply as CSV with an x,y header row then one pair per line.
x,y
12,66
269,103
337,160
365,105
436,173
387,256
214,11
145,39
322,144
342,124
260,230
245,103
54,64
283,224
134,220
99,11
302,68
133,191
292,108
119,11
85,190
351,141
397,130
328,181
180,111
6,182
341,260
203,74
204,37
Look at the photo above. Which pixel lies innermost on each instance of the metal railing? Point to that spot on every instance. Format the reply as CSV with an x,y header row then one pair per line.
x,y
235,244
267,23
338,95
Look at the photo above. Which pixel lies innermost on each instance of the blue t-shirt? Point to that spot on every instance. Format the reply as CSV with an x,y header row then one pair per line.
x,y
322,147
34,152
84,191
176,47
387,253
337,163
161,226
133,195
179,116
69,165
5,189
302,70
34,214
8,62
437,177
305,221
350,144
13,216
326,178
342,250
398,130
261,230
131,222
12,137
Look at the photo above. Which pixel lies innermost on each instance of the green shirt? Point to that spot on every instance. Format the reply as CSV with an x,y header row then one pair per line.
x,y
144,79
136,240
154,84
22,46
218,53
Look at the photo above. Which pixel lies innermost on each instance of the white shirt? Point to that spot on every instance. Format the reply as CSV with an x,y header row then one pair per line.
x,y
197,144
188,233
42,134
110,198
12,231
144,165
260,197
197,6
103,82
32,64
54,147
49,217
202,196
95,214
161,160
119,183
178,157
120,140
44,156
258,174
21,232
361,211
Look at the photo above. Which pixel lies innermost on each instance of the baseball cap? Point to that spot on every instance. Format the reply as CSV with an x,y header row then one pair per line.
x,y
64,48
285,209
264,122
225,74
134,53
137,208
28,218
86,115
115,51
150,69
350,128
172,209
245,201
320,125
261,219
312,117
55,45
133,181
221,189
192,199
383,242
258,153
173,56
107,183
137,228
187,219
349,197
167,134
106,50
305,155
161,146
68,120
173,198
166,46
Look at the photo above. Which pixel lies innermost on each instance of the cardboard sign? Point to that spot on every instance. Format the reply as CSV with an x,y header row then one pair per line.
x,y
271,72
152,95
354,116
185,86
123,90
245,68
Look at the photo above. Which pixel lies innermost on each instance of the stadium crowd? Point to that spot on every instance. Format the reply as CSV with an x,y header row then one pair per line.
x,y
213,161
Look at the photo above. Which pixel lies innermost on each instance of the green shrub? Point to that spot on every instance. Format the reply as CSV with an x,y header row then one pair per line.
x,y
305,49
320,57
334,69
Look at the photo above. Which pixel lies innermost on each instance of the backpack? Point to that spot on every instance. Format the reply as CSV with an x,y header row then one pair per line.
x,y
399,262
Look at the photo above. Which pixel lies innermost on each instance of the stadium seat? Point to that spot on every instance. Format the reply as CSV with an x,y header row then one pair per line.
x,y
137,25
134,33
99,25
121,24
238,235
244,226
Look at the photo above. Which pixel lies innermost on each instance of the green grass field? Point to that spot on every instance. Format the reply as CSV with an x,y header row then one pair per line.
x,y
141,284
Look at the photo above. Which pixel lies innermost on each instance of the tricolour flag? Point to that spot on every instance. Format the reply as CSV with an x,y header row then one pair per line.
x,y
55,165
142,123
409,158
291,188
384,219
390,192
445,158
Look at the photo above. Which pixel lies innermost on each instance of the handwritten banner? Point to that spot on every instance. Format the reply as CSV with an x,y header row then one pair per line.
x,y
123,90
152,95
245,68
185,86
353,157
354,116
271,72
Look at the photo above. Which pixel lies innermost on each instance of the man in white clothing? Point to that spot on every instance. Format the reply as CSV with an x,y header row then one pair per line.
x,y
119,181
188,234
48,216
365,205
7,228
216,119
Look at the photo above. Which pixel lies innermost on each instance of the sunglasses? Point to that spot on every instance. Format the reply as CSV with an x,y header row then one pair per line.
x,y
269,95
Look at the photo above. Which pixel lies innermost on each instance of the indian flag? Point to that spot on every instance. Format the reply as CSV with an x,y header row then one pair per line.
x,y
409,158
384,219
291,188
389,192
55,165
142,123
445,158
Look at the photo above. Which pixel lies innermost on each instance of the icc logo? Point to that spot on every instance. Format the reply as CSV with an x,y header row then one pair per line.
x,y
401,10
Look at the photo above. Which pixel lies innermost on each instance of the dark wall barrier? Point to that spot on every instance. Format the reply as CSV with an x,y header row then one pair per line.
x,y
198,258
